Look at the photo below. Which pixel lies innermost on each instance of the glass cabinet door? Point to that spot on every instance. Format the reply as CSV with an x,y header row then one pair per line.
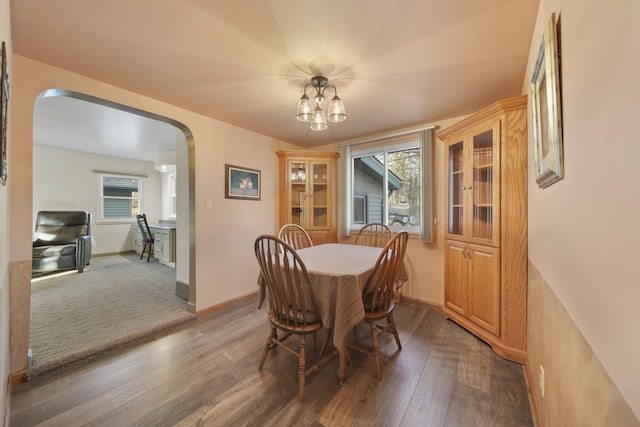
x,y
320,194
484,191
298,180
456,185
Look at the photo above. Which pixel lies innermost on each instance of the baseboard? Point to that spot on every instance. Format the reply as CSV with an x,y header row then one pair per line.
x,y
219,307
128,252
6,407
18,377
534,404
182,290
424,304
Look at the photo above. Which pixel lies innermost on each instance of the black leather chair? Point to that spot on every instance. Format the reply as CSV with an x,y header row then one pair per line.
x,y
62,241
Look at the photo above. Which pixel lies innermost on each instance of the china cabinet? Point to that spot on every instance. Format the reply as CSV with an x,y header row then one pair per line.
x,y
307,192
485,235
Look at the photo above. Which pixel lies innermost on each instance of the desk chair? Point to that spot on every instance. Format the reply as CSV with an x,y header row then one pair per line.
x,y
147,236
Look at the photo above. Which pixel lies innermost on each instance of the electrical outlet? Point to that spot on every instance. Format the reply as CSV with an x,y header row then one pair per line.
x,y
541,380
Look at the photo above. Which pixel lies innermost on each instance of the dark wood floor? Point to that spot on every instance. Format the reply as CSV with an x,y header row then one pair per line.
x,y
207,374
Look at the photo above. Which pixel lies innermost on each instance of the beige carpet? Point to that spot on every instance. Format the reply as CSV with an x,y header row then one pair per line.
x,y
117,299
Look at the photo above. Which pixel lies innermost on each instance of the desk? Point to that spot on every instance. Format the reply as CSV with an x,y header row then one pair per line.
x,y
165,243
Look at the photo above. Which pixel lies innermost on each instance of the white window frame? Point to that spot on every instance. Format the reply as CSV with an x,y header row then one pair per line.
x,y
139,198
173,195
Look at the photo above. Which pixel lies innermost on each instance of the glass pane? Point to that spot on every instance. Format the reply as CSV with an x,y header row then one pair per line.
x,y
320,194
359,210
404,189
119,197
482,185
456,188
368,175
298,175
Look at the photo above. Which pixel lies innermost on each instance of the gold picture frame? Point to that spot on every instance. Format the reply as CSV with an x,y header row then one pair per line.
x,y
546,105
4,107
242,183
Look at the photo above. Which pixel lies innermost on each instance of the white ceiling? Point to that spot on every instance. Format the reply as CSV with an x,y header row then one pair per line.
x,y
78,124
396,63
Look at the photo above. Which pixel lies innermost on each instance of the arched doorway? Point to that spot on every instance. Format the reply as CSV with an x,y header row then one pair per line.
x,y
112,129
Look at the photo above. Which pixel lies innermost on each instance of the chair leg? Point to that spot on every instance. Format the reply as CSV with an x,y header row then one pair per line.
x,y
394,330
302,363
272,335
149,253
143,249
325,343
376,350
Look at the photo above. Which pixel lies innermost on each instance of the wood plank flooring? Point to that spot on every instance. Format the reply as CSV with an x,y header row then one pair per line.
x,y
207,374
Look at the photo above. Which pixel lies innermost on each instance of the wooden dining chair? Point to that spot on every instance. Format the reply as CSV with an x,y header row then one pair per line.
x,y
377,295
293,308
296,236
375,234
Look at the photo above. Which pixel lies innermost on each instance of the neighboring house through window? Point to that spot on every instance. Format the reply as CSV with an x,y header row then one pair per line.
x,y
121,196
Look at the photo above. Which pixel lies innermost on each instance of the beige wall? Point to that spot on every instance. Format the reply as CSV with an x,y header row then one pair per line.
x,y
578,389
5,35
583,244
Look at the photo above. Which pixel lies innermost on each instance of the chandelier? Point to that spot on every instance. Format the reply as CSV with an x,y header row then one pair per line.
x,y
308,113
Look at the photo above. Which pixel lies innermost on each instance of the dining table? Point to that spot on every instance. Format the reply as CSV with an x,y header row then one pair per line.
x,y
338,274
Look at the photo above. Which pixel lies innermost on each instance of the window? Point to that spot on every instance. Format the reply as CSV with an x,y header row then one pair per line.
x,y
173,197
120,197
389,180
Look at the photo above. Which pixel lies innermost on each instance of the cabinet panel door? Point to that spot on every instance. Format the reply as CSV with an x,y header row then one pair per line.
x,y
484,287
158,244
455,277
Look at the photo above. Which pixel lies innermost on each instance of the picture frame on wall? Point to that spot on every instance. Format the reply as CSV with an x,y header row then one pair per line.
x,y
242,183
4,103
546,106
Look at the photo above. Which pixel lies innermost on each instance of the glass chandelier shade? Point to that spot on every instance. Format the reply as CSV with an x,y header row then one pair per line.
x,y
306,111
319,121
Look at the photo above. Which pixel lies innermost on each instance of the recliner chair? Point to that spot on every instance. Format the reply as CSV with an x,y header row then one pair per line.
x,y
62,241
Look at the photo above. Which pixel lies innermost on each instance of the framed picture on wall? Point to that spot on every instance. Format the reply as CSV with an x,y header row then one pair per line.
x,y
546,106
4,102
242,183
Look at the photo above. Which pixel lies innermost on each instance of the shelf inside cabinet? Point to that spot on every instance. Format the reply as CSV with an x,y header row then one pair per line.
x,y
484,166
